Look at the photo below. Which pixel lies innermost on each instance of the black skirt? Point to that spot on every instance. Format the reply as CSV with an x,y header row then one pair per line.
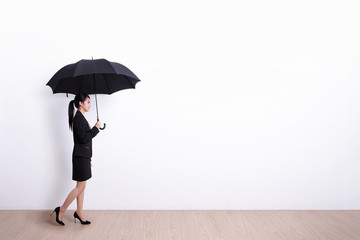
x,y
81,168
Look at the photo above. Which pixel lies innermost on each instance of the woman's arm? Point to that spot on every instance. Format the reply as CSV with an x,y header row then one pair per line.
x,y
82,132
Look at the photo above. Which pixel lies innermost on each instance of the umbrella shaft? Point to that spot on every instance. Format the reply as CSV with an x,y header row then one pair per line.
x,y
97,112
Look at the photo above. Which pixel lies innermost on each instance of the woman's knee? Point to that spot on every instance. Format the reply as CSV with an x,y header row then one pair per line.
x,y
81,186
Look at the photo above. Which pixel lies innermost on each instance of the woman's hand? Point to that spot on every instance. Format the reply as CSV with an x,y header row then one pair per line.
x,y
98,124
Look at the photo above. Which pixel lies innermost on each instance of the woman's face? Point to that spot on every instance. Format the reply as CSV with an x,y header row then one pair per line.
x,y
85,105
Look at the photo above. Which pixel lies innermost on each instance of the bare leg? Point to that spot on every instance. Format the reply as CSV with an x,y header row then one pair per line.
x,y
80,203
80,188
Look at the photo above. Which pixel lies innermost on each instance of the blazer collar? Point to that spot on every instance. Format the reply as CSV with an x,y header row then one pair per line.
x,y
82,116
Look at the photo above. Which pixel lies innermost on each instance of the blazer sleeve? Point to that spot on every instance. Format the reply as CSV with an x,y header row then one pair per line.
x,y
82,132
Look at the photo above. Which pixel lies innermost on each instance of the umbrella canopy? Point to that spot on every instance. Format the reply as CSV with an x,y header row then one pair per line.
x,y
93,77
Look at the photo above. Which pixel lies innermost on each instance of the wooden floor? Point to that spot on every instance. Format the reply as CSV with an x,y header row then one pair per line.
x,y
183,224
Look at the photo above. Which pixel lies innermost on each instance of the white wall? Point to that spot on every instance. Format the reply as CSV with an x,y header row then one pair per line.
x,y
242,104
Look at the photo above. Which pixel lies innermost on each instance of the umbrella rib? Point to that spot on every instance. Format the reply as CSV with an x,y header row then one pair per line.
x,y
112,67
128,78
54,87
104,76
106,83
81,85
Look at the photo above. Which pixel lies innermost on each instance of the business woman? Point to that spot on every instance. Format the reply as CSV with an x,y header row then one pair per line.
x,y
81,157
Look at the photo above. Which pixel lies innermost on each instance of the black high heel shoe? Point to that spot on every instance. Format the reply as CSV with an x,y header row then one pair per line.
x,y
76,216
57,211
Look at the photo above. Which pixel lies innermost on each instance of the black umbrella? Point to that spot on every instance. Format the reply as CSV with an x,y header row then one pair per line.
x,y
93,77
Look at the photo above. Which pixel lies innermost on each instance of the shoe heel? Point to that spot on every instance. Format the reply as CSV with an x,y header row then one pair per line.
x,y
57,211
76,216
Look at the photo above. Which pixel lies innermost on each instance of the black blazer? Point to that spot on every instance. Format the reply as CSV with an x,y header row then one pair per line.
x,y
83,136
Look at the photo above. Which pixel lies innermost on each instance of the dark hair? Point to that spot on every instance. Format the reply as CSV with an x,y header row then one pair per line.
x,y
80,97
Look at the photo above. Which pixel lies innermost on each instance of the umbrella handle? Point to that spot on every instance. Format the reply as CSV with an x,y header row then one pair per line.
x,y
102,128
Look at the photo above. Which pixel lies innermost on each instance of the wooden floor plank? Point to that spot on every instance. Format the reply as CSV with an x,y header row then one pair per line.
x,y
184,225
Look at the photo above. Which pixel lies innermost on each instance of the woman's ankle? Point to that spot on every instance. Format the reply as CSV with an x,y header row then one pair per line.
x,y
62,209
